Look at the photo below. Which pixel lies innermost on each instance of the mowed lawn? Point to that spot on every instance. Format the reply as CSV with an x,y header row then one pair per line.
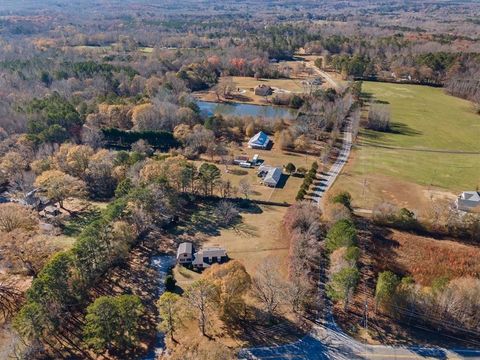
x,y
258,236
288,185
425,120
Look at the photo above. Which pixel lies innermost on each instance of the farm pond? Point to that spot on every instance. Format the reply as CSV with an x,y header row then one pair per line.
x,y
263,111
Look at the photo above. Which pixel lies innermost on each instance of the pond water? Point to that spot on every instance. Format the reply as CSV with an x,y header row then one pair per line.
x,y
265,111
161,264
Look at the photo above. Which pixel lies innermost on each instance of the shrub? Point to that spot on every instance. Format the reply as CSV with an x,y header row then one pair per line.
x,y
343,198
387,283
290,168
342,233
170,283
296,102
352,254
336,212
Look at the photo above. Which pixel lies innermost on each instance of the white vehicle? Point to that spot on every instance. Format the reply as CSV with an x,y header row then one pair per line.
x,y
255,159
245,164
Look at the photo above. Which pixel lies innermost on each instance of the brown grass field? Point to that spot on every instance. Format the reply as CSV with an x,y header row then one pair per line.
x,y
423,258
257,237
300,70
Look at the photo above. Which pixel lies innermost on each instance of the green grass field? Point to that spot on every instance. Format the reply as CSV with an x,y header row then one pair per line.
x,y
424,120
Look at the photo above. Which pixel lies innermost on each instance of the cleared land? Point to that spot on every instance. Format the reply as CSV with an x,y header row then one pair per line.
x,y
434,146
288,186
300,70
257,237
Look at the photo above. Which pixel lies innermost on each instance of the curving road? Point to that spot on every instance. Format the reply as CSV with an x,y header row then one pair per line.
x,y
326,340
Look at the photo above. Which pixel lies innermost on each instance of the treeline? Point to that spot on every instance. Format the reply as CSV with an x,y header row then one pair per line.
x,y
341,243
310,176
160,140
305,231
447,305
429,68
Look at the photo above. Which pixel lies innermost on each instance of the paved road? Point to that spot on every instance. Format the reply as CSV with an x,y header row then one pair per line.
x,y
327,341
327,179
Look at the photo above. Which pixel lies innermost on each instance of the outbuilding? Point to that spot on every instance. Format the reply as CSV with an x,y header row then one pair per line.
x,y
263,90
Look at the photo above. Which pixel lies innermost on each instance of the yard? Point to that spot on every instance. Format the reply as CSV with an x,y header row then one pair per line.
x,y
288,185
300,70
258,236
434,148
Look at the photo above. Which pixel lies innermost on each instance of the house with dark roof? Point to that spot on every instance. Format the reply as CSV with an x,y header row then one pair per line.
x,y
259,141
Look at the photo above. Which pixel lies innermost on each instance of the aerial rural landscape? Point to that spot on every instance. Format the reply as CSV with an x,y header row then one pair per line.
x,y
252,180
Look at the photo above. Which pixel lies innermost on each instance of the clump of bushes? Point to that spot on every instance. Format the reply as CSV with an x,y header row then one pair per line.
x,y
343,198
342,234
390,215
307,181
344,254
379,118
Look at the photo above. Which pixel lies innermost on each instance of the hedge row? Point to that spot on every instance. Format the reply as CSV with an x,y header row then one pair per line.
x,y
307,181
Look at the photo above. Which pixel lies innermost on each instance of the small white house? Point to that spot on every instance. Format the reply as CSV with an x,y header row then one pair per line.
x,y
185,253
208,256
469,201
259,141
273,177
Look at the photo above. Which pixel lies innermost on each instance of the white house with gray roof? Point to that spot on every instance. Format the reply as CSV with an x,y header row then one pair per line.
x,y
208,256
469,201
272,177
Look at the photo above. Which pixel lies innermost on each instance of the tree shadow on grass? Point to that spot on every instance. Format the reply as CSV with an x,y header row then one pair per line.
x,y
257,330
403,129
245,230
